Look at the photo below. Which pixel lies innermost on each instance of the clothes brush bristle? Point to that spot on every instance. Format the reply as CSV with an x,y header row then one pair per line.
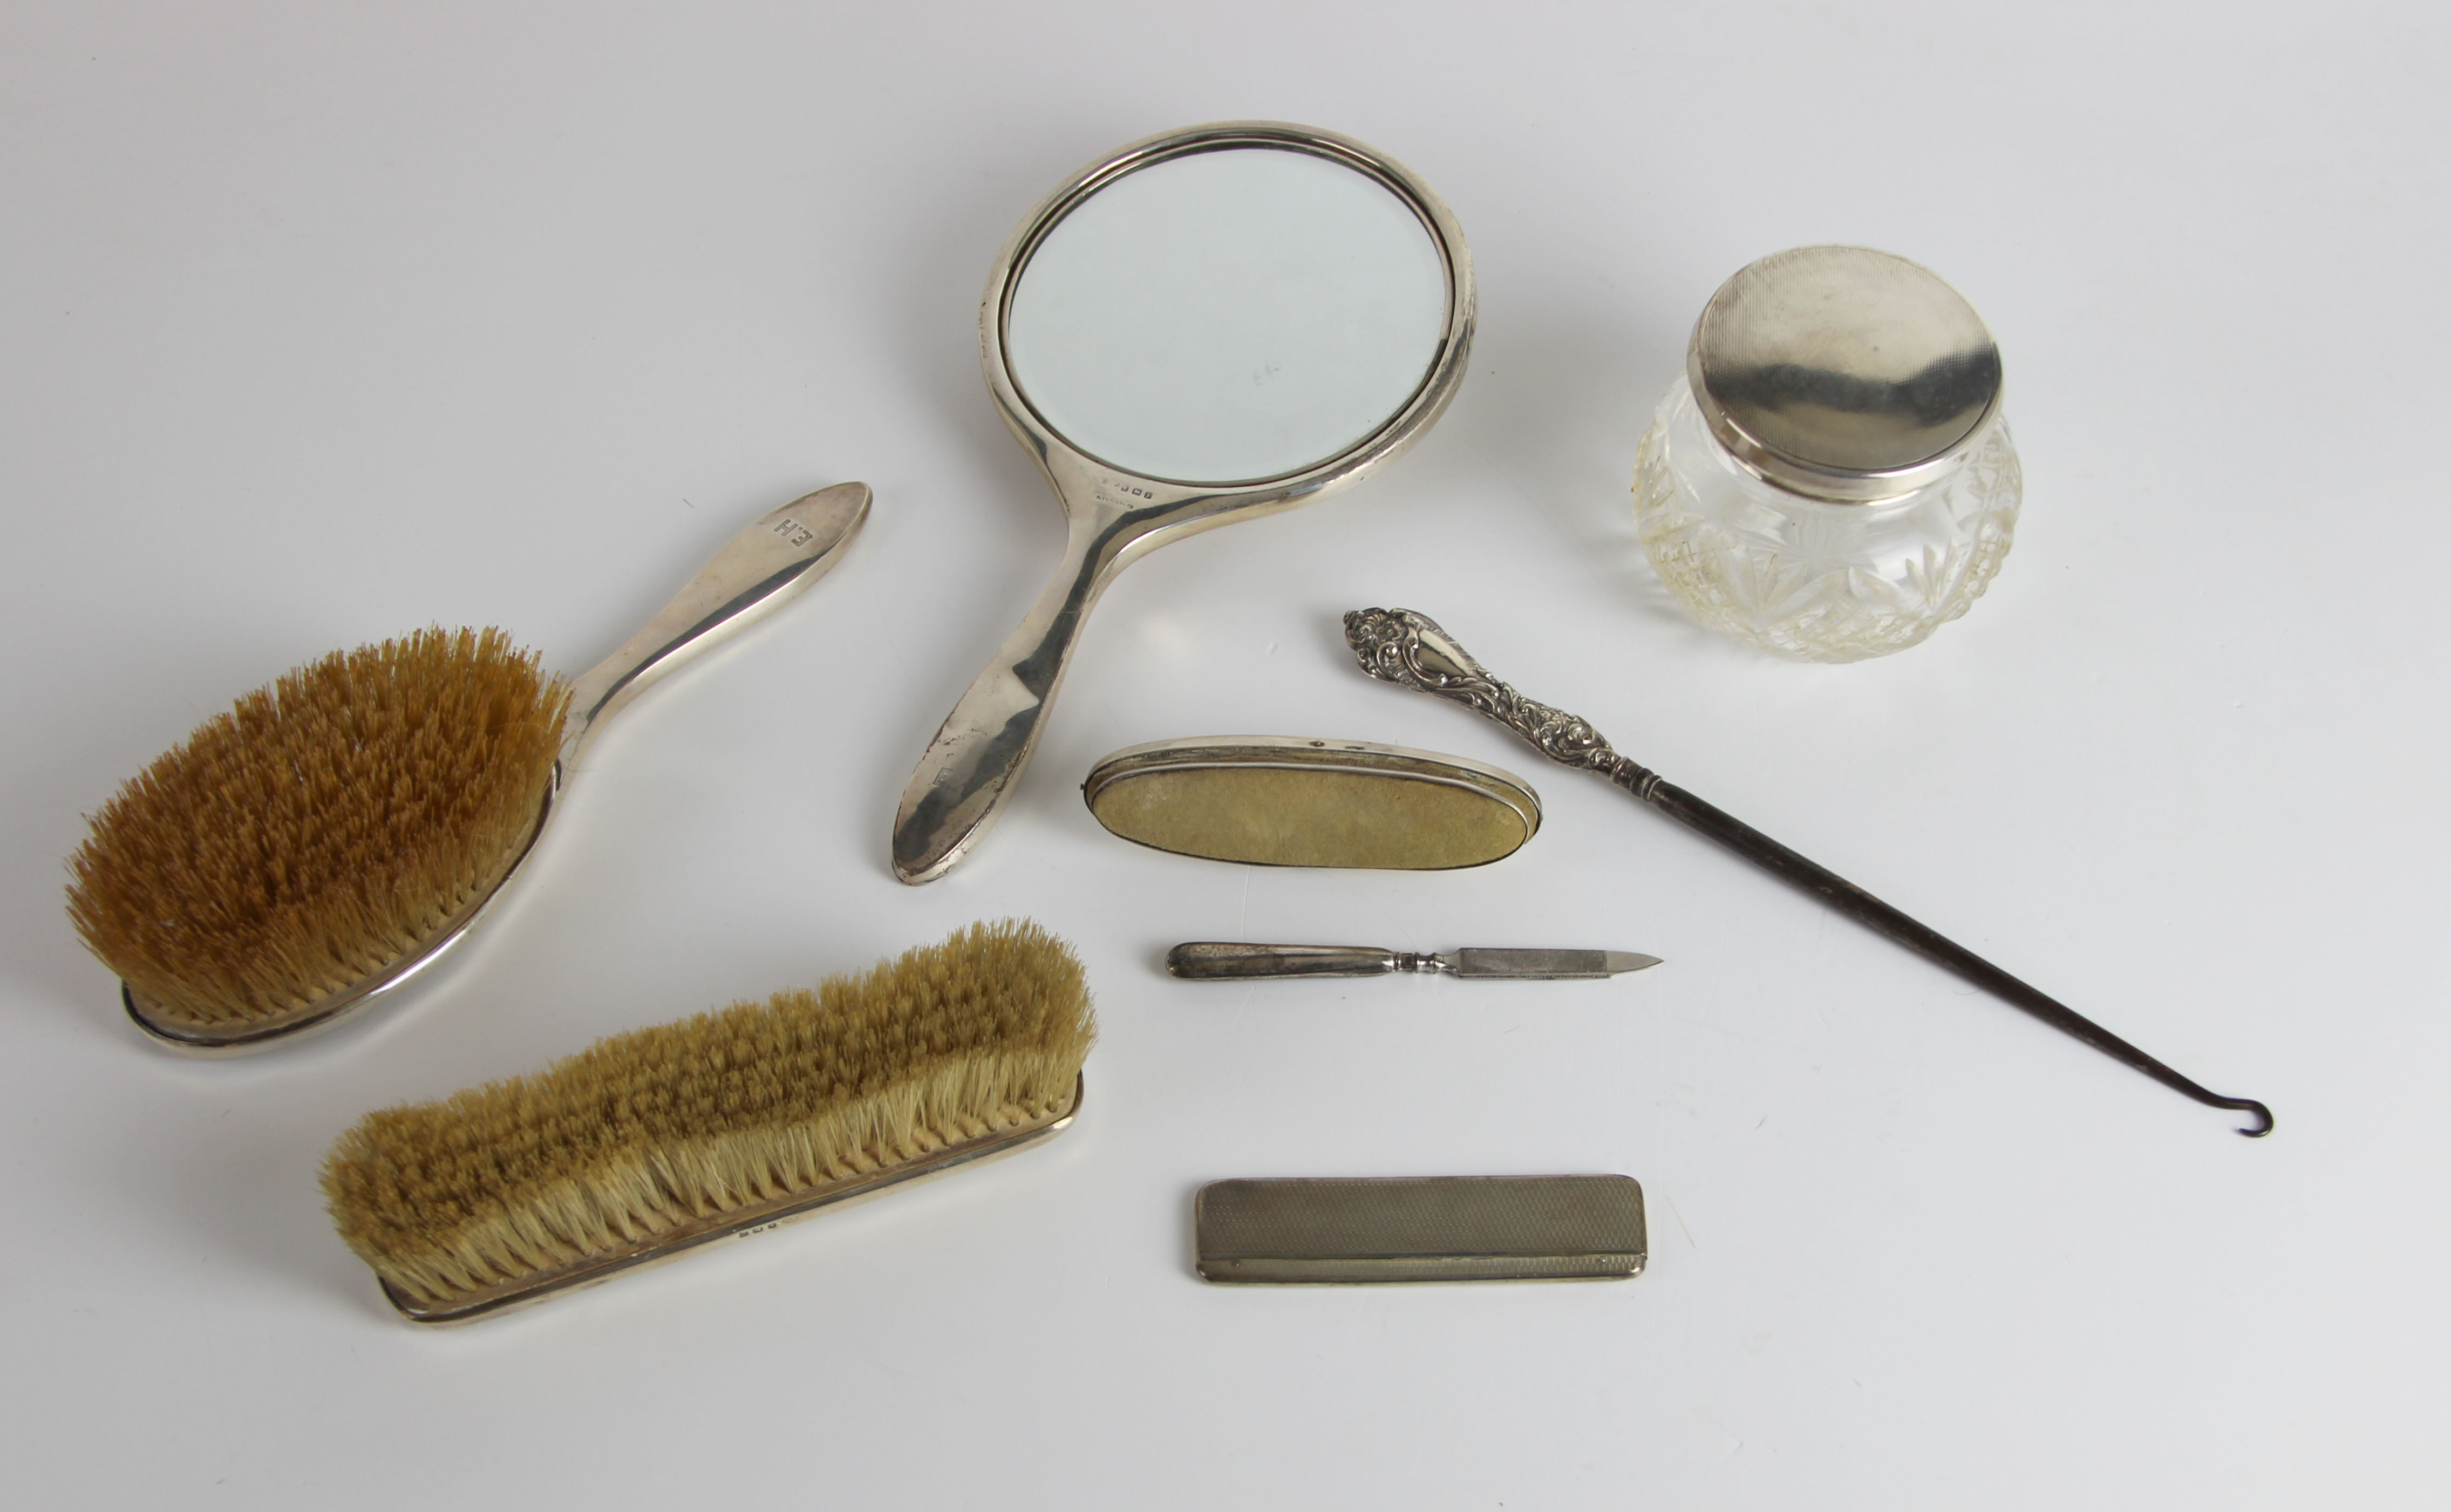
x,y
653,1130
322,827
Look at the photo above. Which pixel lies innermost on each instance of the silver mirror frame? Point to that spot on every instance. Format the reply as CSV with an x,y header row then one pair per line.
x,y
1117,516
1068,464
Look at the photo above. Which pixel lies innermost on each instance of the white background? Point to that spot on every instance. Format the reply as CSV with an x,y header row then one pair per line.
x,y
320,322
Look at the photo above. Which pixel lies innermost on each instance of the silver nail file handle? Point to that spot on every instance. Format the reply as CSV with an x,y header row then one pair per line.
x,y
1218,961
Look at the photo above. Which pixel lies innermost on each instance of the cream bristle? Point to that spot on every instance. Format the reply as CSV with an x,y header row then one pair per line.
x,y
322,828
651,1129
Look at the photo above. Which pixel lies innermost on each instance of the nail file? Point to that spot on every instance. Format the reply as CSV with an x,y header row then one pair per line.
x,y
1220,960
1364,1229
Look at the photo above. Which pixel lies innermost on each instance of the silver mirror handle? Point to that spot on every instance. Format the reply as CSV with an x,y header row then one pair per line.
x,y
969,769
1218,961
757,571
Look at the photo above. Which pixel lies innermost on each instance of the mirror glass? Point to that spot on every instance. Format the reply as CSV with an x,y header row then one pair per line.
x,y
1228,316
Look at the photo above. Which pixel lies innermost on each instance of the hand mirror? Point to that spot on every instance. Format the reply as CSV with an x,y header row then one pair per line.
x,y
1214,323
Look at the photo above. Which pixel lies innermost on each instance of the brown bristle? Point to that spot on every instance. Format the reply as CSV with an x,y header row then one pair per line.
x,y
322,827
649,1130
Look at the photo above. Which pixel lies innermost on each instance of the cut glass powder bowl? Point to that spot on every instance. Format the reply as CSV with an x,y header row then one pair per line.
x,y
1833,478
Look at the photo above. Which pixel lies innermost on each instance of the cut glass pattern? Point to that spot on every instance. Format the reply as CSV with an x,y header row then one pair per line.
x,y
1810,581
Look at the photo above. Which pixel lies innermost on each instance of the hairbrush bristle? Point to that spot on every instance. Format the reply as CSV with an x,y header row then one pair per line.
x,y
652,1132
322,828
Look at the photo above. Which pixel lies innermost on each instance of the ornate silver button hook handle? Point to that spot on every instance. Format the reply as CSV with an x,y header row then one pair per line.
x,y
1408,649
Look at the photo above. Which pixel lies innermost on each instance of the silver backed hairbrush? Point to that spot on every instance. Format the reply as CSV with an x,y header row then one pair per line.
x,y
303,857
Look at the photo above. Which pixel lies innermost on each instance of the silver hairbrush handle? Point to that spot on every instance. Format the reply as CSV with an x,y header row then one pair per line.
x,y
756,573
1217,961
